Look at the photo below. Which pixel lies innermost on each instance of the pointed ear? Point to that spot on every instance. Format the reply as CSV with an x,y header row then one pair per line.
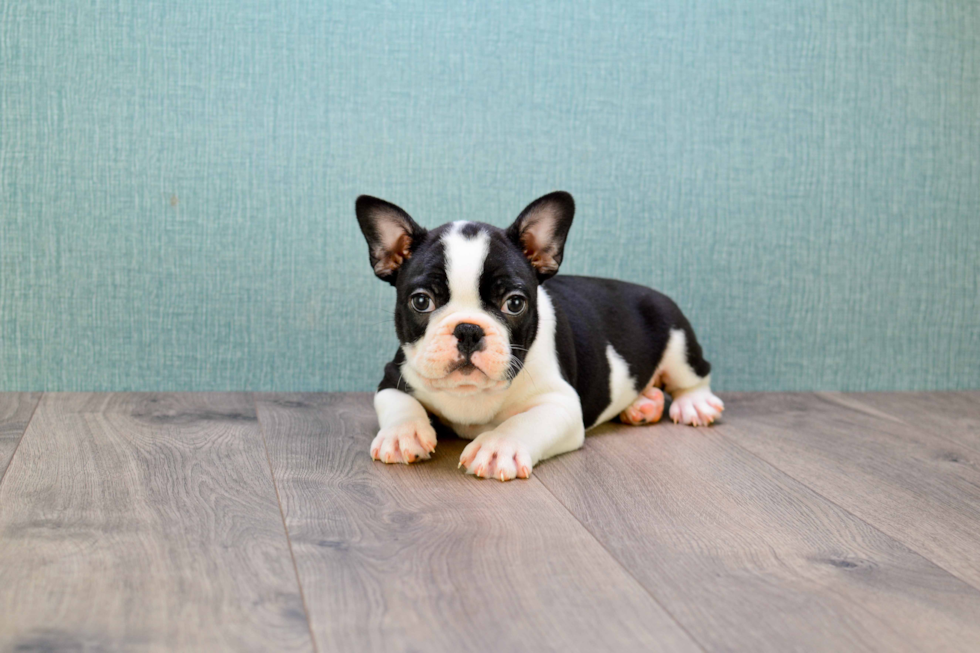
x,y
391,235
540,231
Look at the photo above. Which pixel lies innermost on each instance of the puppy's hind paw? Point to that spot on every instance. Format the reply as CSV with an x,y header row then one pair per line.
x,y
406,443
648,408
698,407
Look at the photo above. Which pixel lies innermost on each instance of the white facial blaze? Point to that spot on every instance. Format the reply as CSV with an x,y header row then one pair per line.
x,y
434,361
464,265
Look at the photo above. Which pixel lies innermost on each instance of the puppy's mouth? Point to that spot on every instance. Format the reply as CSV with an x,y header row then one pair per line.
x,y
464,367
464,377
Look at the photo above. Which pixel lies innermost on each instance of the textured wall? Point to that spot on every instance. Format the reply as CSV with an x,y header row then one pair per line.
x,y
177,178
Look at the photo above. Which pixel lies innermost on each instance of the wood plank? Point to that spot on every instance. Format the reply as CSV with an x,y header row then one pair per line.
x,y
144,522
920,489
746,558
952,415
422,557
16,409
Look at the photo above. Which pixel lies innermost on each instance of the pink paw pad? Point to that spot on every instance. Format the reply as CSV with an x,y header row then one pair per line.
x,y
648,408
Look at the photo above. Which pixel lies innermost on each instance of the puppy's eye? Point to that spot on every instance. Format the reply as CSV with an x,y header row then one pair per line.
x,y
422,302
514,304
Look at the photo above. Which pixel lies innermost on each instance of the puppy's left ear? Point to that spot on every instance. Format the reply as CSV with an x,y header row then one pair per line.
x,y
541,229
391,235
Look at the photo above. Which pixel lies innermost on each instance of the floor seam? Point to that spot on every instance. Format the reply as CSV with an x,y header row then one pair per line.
x,y
282,515
20,439
623,566
902,543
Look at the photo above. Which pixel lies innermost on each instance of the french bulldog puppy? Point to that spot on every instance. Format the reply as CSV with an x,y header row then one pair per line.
x,y
512,357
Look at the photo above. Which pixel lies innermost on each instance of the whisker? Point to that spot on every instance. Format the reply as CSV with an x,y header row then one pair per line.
x,y
524,369
516,367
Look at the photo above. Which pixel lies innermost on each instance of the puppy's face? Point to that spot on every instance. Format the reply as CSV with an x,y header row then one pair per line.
x,y
466,311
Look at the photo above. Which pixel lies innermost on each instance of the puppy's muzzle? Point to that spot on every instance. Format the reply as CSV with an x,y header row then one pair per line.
x,y
469,339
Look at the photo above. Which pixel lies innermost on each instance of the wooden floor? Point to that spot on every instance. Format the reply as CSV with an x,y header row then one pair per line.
x,y
209,522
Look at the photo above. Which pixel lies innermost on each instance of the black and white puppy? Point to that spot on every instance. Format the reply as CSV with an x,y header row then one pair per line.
x,y
508,355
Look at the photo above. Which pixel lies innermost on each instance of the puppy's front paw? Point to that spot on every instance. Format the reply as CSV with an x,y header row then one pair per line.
x,y
698,407
406,443
496,456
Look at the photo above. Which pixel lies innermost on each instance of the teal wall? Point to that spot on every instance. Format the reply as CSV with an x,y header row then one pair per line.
x,y
177,178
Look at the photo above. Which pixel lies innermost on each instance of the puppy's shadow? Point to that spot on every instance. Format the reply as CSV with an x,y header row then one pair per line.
x,y
448,450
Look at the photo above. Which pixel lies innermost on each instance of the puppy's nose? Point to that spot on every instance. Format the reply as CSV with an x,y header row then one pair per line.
x,y
470,337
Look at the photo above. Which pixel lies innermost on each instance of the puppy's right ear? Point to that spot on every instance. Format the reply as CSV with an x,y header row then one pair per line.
x,y
541,229
391,235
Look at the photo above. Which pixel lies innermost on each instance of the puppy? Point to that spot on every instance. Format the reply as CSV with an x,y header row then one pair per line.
x,y
512,357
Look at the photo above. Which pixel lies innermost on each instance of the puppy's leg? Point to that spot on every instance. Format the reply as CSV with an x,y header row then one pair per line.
x,y
693,402
552,426
406,434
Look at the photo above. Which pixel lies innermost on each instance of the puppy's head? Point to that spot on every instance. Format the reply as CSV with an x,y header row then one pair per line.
x,y
466,312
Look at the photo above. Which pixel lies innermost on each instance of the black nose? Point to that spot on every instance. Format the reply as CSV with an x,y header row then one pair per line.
x,y
470,337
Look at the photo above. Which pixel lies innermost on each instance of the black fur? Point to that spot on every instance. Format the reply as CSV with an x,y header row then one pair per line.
x,y
393,374
426,269
505,270
593,313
